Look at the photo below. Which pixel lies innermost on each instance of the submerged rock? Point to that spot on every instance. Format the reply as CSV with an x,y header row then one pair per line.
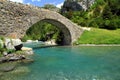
x,y
6,67
1,74
20,70
27,60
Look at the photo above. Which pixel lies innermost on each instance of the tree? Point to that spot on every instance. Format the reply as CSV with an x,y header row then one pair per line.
x,y
49,6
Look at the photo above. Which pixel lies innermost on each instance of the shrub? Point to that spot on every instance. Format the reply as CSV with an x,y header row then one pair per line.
x,y
2,49
9,51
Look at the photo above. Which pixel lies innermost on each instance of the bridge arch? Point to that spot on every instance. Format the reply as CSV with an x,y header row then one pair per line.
x,y
66,40
65,31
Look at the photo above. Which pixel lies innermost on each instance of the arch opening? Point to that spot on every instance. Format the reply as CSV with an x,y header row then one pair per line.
x,y
58,29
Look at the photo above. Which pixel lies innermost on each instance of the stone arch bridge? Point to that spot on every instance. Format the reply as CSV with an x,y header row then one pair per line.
x,y
16,18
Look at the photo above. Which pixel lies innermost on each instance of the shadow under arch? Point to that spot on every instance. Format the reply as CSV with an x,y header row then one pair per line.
x,y
66,33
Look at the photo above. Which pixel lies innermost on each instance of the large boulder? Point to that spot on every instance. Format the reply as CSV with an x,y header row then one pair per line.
x,y
76,5
71,6
11,43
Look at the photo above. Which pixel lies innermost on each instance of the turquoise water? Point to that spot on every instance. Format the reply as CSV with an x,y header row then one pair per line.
x,y
74,63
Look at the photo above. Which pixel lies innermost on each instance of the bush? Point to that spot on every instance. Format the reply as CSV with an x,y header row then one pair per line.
x,y
2,49
111,24
9,51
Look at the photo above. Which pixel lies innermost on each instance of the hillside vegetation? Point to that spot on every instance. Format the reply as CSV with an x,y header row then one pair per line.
x,y
104,18
102,14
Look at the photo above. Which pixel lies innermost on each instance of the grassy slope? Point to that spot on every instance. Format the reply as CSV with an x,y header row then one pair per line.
x,y
100,36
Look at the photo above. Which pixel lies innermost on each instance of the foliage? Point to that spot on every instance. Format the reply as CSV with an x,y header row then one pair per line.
x,y
2,49
100,36
20,52
1,55
9,51
49,6
2,38
102,14
43,31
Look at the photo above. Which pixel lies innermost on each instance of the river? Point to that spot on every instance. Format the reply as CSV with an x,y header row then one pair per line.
x,y
73,63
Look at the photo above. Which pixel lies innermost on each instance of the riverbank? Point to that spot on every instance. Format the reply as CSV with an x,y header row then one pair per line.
x,y
13,50
99,37
98,45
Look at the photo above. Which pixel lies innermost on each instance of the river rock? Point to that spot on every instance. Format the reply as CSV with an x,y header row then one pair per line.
x,y
27,50
11,57
30,41
5,53
27,60
16,57
51,42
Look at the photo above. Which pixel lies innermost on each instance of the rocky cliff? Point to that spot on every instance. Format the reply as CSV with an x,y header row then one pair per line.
x,y
76,5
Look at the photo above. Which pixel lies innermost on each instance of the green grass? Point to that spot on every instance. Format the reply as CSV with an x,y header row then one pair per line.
x,y
100,36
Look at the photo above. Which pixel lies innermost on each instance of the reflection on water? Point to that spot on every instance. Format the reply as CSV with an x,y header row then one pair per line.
x,y
34,44
72,63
